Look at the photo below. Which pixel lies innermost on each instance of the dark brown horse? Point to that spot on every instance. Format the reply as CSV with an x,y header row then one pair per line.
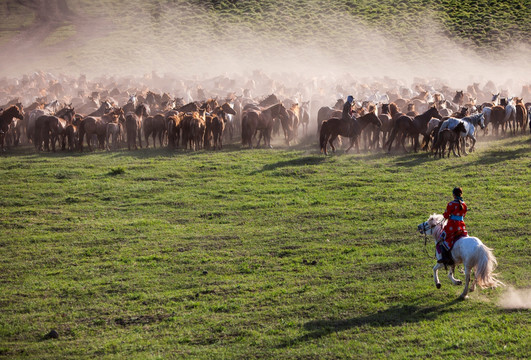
x,y
6,117
406,126
154,126
450,137
133,125
218,126
262,120
334,127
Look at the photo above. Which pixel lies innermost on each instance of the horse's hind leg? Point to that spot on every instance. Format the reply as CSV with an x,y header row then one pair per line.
x,y
331,142
464,295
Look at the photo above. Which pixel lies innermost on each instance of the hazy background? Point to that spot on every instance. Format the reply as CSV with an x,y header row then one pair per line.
x,y
290,41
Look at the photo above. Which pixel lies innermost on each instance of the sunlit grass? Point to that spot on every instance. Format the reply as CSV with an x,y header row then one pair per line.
x,y
254,254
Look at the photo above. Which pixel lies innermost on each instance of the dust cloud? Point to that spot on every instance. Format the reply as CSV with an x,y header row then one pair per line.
x,y
340,51
515,299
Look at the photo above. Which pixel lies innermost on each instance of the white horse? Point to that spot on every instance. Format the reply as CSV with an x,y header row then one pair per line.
x,y
470,252
470,123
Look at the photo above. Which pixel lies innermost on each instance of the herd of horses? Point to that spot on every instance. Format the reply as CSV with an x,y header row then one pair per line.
x,y
437,131
141,118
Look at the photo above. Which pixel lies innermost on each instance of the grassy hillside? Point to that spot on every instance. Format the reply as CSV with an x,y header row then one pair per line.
x,y
190,36
255,254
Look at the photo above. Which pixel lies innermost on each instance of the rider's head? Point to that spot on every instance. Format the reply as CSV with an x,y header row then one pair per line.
x,y
457,192
350,99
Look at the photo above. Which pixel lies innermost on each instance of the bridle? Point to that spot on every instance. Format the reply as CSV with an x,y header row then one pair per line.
x,y
424,229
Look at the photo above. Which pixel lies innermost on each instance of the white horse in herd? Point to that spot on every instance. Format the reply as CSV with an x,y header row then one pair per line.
x,y
470,252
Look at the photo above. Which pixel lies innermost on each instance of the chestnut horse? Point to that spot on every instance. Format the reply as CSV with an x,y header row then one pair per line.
x,y
51,127
6,117
92,125
255,119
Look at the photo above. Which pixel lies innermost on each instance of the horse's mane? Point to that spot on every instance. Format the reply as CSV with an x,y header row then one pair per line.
x,y
436,219
271,99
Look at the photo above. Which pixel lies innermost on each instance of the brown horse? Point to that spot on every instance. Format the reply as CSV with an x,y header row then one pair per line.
x,y
133,125
406,126
450,137
291,123
218,126
52,128
154,126
174,130
115,130
97,126
255,119
351,129
305,117
521,115
6,117
327,112
387,124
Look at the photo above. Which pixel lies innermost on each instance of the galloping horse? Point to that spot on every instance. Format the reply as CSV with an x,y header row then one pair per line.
x,y
6,117
332,128
469,251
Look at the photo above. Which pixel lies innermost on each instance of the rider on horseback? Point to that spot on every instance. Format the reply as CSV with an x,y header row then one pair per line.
x,y
454,228
347,109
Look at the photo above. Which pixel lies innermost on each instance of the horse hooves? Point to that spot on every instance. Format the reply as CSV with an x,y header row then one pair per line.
x,y
463,297
438,285
458,282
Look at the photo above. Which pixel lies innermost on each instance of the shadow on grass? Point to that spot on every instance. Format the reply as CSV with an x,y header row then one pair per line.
x,y
393,316
303,161
491,157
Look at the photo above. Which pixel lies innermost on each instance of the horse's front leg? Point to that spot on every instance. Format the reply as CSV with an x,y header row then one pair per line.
x,y
451,276
473,138
464,295
463,145
436,274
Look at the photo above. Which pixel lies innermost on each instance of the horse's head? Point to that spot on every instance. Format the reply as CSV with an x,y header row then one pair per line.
x,y
434,113
481,120
428,227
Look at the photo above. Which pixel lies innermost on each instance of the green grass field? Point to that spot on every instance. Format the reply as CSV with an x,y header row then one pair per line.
x,y
243,254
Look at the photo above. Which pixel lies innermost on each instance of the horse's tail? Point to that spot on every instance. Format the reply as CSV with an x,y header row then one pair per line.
x,y
485,267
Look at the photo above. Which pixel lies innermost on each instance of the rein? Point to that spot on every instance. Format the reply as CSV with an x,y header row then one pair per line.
x,y
426,239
